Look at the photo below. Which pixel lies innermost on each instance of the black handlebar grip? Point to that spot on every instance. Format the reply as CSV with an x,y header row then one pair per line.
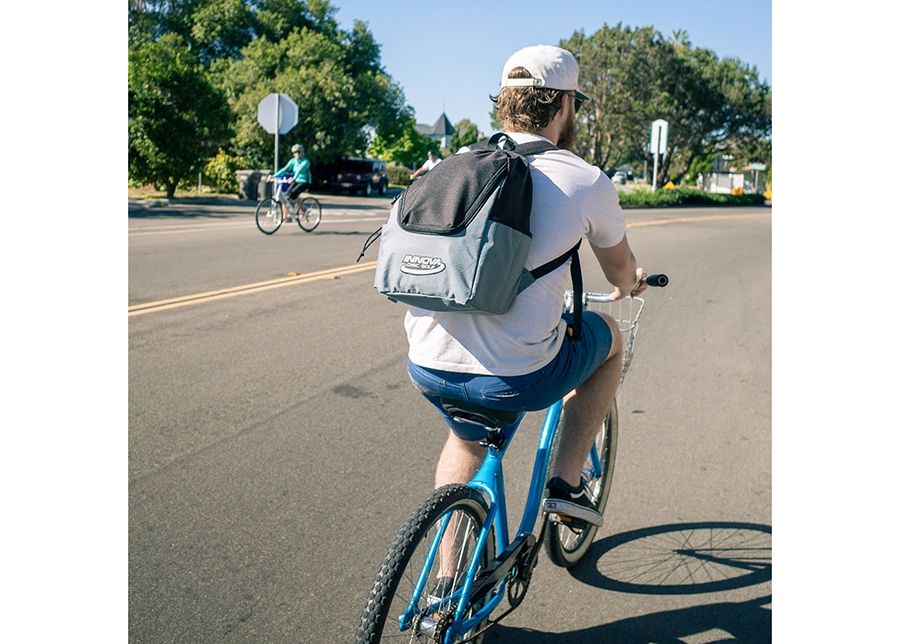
x,y
657,280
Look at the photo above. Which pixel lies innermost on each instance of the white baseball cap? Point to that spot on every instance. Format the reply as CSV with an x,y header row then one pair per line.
x,y
549,66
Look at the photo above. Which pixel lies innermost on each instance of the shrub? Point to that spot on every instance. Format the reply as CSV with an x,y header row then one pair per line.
x,y
219,172
687,197
398,175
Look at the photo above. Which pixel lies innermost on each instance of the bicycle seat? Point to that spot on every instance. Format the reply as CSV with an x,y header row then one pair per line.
x,y
467,412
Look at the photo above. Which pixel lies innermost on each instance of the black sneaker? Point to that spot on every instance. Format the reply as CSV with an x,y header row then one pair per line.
x,y
571,505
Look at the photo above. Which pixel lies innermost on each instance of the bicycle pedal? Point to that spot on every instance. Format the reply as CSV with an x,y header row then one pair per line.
x,y
551,507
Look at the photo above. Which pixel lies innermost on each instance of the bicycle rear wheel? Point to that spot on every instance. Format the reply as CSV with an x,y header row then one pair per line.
x,y
312,214
268,215
388,615
566,545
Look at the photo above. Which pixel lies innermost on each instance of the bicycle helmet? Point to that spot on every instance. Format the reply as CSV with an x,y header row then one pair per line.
x,y
296,148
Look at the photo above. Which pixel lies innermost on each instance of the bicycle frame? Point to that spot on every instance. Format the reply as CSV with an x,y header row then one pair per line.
x,y
279,189
485,583
489,481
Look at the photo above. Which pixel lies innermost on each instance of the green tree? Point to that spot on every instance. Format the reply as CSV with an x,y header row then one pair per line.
x,y
406,146
226,25
466,133
718,106
221,29
635,75
619,68
246,49
336,80
176,119
496,126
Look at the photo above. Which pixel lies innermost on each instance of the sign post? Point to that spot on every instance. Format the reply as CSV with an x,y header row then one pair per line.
x,y
659,134
278,114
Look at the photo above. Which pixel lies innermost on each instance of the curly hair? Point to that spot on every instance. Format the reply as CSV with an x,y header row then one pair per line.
x,y
526,108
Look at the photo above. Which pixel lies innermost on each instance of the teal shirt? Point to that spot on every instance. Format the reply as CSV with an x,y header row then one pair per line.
x,y
300,168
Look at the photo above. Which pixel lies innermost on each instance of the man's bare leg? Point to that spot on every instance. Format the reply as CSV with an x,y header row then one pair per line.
x,y
584,410
458,463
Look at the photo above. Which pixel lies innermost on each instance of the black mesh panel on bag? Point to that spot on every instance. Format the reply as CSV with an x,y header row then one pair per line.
x,y
450,194
513,205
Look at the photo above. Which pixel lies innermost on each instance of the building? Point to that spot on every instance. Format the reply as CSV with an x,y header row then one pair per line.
x,y
440,132
726,178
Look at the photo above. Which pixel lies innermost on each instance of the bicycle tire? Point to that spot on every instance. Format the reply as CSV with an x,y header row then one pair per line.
x,y
269,216
312,214
566,546
398,564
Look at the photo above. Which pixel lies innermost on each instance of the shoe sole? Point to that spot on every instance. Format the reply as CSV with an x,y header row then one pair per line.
x,y
562,509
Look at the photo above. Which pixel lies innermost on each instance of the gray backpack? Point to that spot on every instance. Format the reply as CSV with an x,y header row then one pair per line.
x,y
457,238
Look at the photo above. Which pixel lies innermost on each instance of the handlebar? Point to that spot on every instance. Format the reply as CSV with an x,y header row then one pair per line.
x,y
659,280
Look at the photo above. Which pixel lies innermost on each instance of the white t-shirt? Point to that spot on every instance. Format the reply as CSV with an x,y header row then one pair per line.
x,y
429,164
572,199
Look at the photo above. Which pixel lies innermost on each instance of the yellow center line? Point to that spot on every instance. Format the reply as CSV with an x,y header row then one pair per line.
x,y
332,273
256,287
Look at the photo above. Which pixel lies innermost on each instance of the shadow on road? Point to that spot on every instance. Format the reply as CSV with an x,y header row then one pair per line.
x,y
680,558
749,621
206,208
363,233
673,559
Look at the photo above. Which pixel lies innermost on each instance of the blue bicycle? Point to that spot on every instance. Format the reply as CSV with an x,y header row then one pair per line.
x,y
442,577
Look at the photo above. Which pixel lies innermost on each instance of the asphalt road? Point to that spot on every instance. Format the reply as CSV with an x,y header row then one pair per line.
x,y
275,443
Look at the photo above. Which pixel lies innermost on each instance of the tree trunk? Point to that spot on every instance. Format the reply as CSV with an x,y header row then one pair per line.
x,y
170,189
687,168
663,177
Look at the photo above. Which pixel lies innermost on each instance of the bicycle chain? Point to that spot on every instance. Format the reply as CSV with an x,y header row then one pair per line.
x,y
490,625
513,604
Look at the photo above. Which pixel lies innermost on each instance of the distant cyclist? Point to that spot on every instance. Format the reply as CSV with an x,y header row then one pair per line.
x,y
526,359
302,176
433,160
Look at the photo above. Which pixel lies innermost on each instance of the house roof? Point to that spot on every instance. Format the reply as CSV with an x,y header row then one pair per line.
x,y
441,127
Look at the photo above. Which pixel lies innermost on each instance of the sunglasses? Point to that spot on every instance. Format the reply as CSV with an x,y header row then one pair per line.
x,y
578,101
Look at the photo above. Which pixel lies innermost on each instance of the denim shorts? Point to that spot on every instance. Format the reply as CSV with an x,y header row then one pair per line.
x,y
575,363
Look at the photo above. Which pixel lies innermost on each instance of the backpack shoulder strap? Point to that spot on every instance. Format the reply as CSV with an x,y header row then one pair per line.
x,y
553,264
534,147
502,141
577,287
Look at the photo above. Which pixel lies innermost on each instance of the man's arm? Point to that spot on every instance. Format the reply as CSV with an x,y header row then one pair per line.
x,y
621,269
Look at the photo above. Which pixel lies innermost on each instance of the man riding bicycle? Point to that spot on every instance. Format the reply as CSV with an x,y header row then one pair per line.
x,y
526,358
298,166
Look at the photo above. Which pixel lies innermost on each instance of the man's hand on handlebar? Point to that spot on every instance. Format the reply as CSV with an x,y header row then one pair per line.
x,y
639,287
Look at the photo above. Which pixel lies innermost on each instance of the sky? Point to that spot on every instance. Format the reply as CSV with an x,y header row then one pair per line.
x,y
448,56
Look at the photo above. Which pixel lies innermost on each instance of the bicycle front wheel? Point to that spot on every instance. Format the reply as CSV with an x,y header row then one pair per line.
x,y
566,545
394,611
268,215
312,214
